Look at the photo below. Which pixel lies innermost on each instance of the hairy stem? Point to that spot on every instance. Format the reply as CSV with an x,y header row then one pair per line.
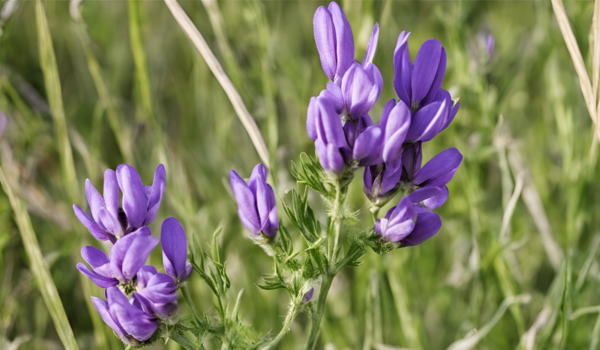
x,y
317,316
292,312
336,216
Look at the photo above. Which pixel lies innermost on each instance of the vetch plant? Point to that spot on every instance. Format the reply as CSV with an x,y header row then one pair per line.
x,y
141,302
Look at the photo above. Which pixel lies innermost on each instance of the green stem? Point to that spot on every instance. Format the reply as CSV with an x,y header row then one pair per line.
x,y
293,311
337,218
188,300
317,316
129,347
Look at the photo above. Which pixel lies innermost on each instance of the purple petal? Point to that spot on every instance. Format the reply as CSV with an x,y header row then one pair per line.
x,y
137,254
440,169
426,226
371,47
357,87
94,256
490,43
404,211
325,40
174,247
427,122
389,179
259,174
94,198
344,40
135,202
397,125
334,94
158,189
422,194
367,148
336,161
437,200
308,296
425,69
312,119
403,69
246,202
329,125
3,120
102,308
437,81
90,224
99,280
144,275
112,196
411,159
109,222
397,232
133,320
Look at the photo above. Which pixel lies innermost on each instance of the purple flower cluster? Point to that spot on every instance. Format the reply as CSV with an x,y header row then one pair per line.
x,y
345,137
138,297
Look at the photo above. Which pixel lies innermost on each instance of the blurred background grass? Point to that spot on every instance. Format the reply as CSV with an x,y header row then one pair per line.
x,y
135,90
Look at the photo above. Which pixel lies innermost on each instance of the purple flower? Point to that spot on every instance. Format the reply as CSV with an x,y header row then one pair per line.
x,y
417,85
2,123
382,178
334,40
128,321
408,223
174,247
256,202
127,256
140,203
155,293
308,296
325,128
490,43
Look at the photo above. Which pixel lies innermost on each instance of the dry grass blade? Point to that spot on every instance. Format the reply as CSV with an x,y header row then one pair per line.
x,y
471,341
236,100
39,269
596,49
571,41
54,95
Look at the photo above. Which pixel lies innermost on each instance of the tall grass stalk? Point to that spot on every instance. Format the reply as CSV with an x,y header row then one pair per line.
x,y
54,95
39,269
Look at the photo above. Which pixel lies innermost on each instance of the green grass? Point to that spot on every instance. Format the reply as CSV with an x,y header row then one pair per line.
x,y
125,84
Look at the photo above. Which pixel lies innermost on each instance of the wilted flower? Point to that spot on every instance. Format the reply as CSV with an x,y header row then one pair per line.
x,y
155,292
174,247
334,40
256,202
139,206
127,256
128,321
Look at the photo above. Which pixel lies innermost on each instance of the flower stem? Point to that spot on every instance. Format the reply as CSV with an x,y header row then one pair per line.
x,y
188,300
292,312
317,315
336,216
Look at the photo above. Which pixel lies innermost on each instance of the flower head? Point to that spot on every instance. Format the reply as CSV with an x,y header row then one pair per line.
x,y
140,203
174,247
155,292
127,256
128,321
256,202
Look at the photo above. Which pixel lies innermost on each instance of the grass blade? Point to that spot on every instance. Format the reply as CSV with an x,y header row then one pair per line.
x,y
39,269
54,95
236,100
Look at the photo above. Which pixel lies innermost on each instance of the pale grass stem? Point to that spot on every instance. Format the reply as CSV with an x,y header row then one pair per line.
x,y
236,100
